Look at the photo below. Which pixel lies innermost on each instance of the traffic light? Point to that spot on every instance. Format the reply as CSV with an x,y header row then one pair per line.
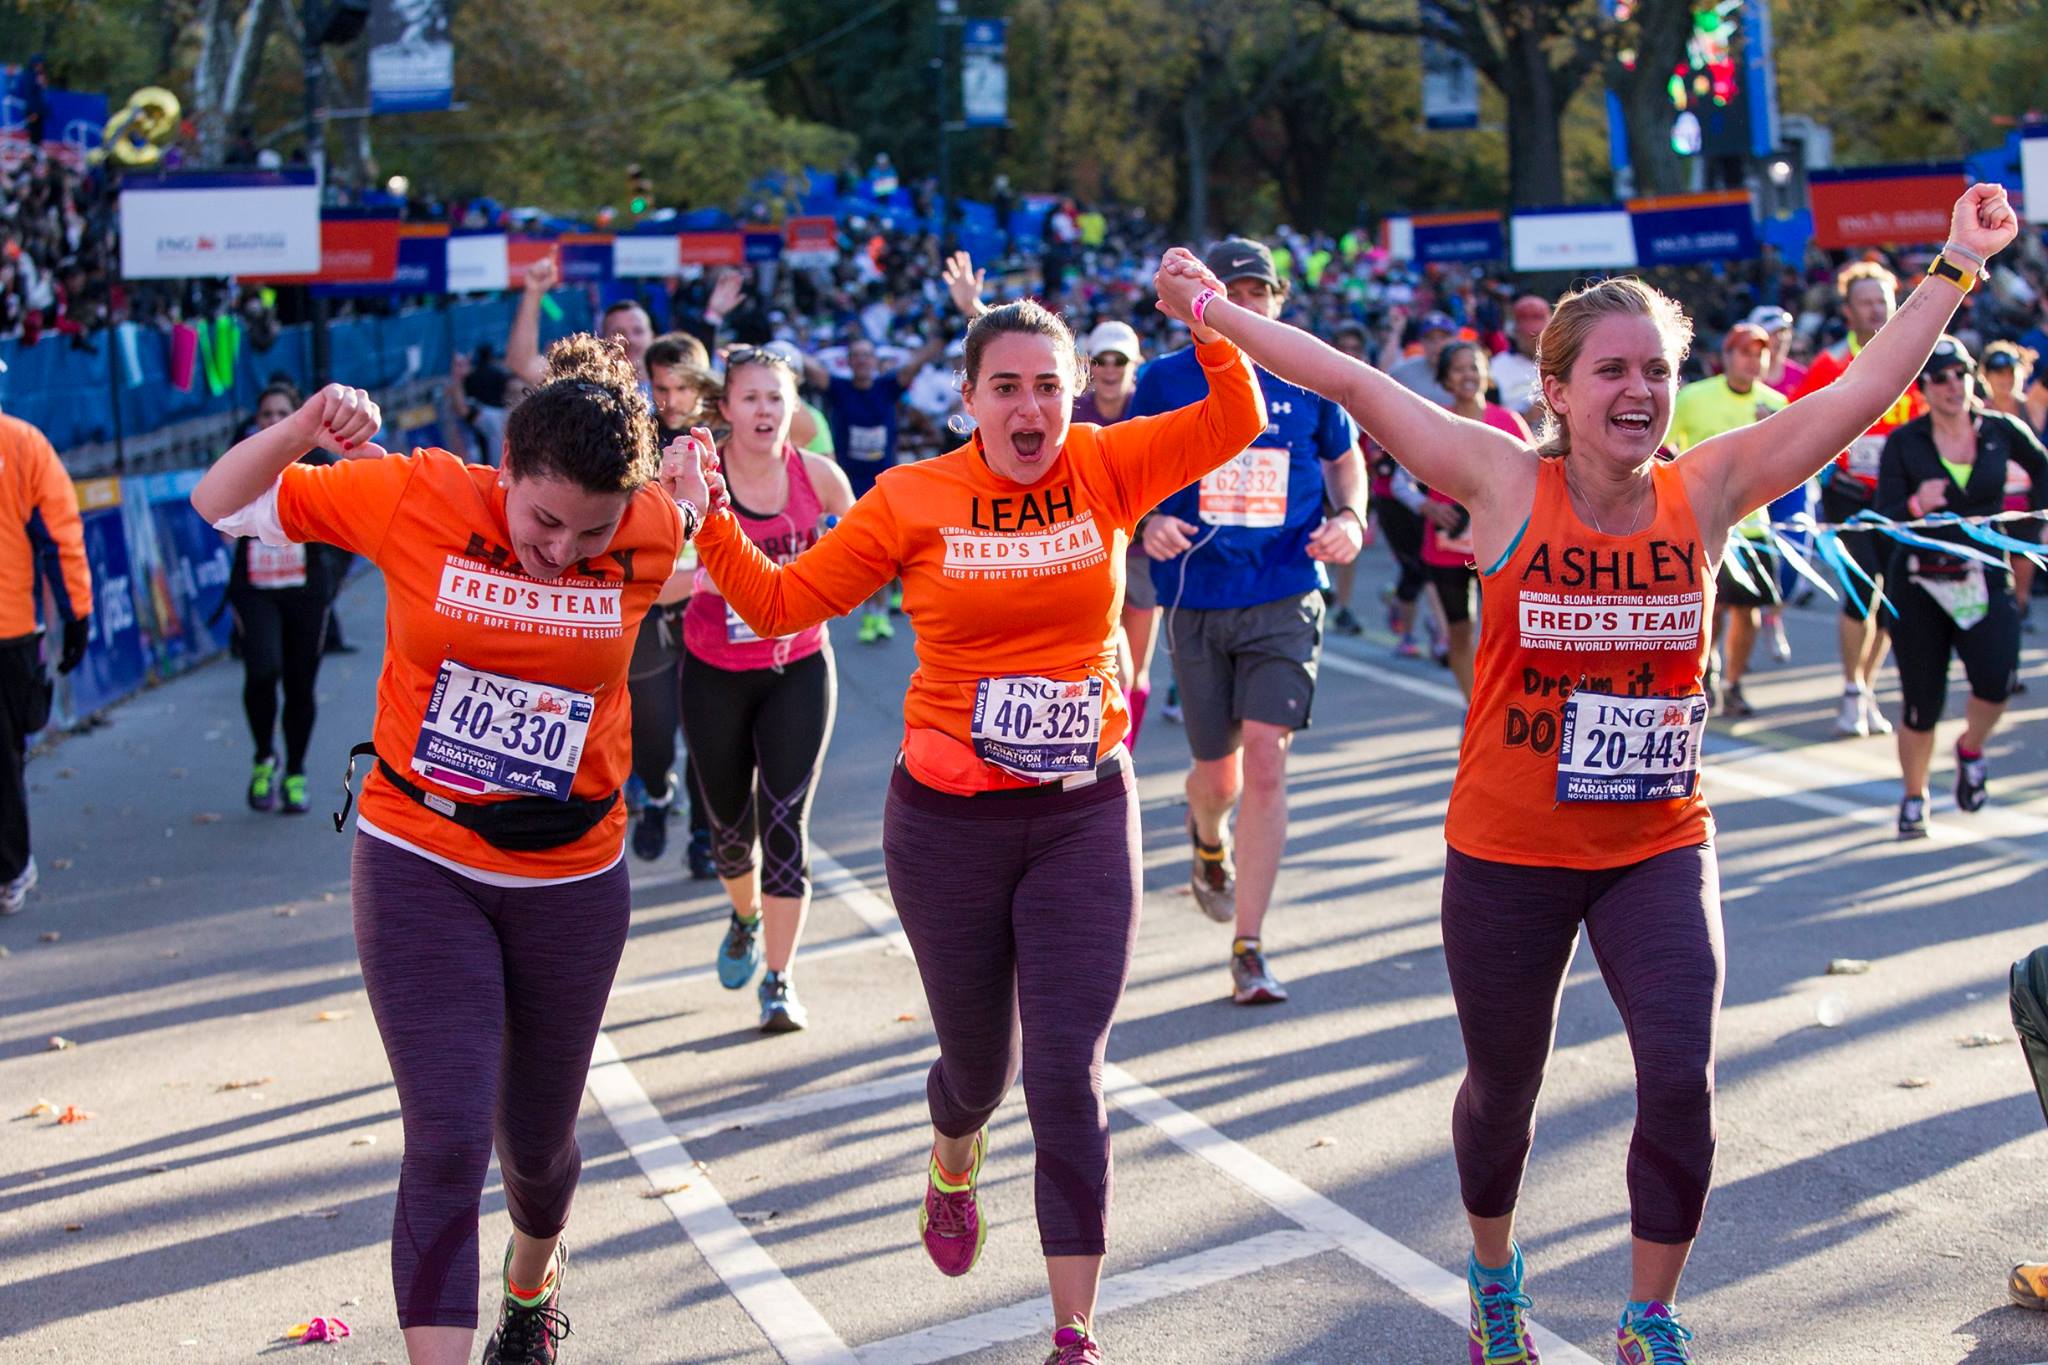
x,y
642,197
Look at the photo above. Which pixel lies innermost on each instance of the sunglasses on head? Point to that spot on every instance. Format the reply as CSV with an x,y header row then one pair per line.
x,y
1111,358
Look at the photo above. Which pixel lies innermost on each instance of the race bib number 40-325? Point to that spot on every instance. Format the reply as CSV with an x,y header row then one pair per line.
x,y
486,732
1042,729
1629,748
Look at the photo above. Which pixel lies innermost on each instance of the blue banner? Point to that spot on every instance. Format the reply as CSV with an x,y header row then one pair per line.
x,y
114,663
412,58
1459,237
195,563
72,122
984,73
1687,230
763,246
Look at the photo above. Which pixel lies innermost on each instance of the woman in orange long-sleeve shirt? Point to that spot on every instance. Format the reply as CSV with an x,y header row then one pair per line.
x,y
1011,833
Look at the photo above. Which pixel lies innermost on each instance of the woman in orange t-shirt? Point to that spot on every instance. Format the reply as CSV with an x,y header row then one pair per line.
x,y
1577,798
1011,831
488,881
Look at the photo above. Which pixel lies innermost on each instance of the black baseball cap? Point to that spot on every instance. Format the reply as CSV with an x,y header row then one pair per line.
x,y
1948,351
2001,360
1241,258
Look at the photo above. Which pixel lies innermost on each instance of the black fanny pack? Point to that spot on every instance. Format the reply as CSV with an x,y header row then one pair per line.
x,y
524,824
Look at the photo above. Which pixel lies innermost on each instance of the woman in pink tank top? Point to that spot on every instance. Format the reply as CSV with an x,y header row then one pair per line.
x,y
1576,799
758,713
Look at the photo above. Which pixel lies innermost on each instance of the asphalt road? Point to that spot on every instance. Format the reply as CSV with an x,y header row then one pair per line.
x,y
1285,1190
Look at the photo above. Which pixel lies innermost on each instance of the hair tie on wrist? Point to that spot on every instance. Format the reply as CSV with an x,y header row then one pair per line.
x,y
1201,304
1972,257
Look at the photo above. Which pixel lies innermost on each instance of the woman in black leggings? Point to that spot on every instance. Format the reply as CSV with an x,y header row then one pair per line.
x,y
758,713
281,597
1954,459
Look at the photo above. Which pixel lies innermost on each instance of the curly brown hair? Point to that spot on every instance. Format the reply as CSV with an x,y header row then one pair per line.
x,y
588,424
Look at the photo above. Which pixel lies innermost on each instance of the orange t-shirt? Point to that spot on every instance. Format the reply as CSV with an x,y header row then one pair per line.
x,y
455,595
1002,580
1548,777
1859,461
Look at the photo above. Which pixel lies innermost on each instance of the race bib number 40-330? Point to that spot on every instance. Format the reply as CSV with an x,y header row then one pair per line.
x,y
486,732
1629,748
1042,729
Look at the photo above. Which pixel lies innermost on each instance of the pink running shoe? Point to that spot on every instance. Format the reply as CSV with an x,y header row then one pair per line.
x,y
950,1221
1072,1345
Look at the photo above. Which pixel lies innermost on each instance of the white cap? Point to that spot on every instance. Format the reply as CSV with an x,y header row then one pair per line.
x,y
1113,336
788,351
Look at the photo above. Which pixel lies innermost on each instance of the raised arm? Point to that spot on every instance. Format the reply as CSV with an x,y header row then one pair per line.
x,y
908,371
964,284
337,419
522,345
1733,474
1456,454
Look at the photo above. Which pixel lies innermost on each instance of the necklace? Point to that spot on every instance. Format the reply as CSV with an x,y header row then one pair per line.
x,y
1593,517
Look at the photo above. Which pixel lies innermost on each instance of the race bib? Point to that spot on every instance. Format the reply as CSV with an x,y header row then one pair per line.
x,y
1629,748
485,732
1965,598
867,443
1864,453
1042,729
738,632
276,566
1249,491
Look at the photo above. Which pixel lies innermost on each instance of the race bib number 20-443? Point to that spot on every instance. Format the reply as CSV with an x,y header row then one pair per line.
x,y
486,732
1629,748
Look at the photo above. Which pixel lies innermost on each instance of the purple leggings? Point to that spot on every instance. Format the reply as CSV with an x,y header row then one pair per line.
x,y
1022,911
1509,935
489,1001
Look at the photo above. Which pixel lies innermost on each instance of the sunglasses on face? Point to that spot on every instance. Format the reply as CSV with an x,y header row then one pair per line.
x,y
1111,359
1948,374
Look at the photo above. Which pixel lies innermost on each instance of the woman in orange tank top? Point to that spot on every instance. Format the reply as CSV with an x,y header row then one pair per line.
x,y
1577,795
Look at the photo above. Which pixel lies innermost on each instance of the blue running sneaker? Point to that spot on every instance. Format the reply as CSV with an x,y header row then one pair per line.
x,y
739,957
781,1011
1651,1336
1499,1336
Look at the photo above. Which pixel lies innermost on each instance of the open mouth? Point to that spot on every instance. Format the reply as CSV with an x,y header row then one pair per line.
x,y
540,565
764,428
1027,444
1634,423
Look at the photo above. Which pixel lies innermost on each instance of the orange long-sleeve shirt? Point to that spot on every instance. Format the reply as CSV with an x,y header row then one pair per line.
x,y
1001,579
40,532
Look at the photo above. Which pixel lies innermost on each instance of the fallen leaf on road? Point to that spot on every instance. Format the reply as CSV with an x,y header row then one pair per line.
x,y
206,817
73,1114
248,1085
50,935
61,864
66,772
751,1179
157,1170
74,1227
1915,1083
59,1043
1848,966
906,1018
351,1303
286,912
1323,1142
665,1191
363,1140
1983,1039
40,1108
177,772
326,1214
704,1168
755,1216
331,1016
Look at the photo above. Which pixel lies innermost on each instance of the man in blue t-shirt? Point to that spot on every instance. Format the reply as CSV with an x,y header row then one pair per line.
x,y
863,412
1235,567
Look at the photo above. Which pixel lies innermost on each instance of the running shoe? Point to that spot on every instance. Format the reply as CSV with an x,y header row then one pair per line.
x,y
1250,982
295,794
1913,818
703,867
1407,649
884,630
739,957
1171,708
896,600
2027,1285
1498,1334
1072,1345
263,786
1970,779
1873,715
1781,644
530,1335
1214,878
868,634
1651,1337
950,1221
1345,622
1852,720
781,1011
650,832
1734,705
14,894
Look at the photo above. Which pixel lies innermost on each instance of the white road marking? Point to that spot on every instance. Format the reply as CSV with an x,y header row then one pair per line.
x,y
1408,1271
896,1087
793,1327
685,975
831,878
1034,1317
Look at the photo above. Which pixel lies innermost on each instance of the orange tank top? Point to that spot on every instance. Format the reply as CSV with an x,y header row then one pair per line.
x,y
1582,745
